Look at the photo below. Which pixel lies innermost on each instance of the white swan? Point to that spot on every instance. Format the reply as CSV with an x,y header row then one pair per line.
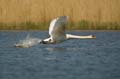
x,y
57,32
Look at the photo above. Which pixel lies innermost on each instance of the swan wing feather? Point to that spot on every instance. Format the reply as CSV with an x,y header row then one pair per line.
x,y
57,27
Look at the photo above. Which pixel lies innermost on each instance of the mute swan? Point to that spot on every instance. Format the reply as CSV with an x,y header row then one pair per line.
x,y
57,32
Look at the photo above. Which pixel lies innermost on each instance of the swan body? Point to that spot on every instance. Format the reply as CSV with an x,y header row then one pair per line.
x,y
57,32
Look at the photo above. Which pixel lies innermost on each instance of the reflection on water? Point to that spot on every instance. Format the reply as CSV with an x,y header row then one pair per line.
x,y
60,49
65,49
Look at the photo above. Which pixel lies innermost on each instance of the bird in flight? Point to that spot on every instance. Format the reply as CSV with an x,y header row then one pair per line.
x,y
57,32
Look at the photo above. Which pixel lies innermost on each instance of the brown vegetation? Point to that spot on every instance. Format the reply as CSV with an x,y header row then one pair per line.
x,y
42,11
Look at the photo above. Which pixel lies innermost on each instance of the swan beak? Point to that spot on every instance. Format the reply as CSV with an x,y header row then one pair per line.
x,y
93,36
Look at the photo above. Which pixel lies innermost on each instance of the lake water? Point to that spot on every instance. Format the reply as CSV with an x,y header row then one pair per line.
x,y
73,59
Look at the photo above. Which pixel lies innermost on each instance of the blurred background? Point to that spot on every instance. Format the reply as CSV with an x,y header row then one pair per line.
x,y
37,14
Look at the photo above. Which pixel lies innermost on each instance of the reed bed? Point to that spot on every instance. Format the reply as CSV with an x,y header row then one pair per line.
x,y
81,25
37,14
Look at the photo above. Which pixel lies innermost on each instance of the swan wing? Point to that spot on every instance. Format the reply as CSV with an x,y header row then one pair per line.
x,y
57,27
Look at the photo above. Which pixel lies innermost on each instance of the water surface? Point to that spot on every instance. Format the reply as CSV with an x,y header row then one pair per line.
x,y
73,59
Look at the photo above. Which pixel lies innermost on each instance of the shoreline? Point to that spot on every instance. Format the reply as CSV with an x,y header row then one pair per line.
x,y
66,30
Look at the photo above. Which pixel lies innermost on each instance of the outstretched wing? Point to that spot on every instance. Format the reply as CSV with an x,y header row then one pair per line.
x,y
57,27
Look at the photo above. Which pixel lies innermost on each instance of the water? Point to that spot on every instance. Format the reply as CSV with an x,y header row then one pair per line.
x,y
73,59
28,42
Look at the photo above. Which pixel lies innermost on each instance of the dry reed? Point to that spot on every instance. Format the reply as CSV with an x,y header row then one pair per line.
x,y
38,13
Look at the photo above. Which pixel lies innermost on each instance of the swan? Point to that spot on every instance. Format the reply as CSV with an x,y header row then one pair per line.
x,y
57,32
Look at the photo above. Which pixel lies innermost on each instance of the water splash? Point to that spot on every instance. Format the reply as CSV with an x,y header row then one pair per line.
x,y
28,42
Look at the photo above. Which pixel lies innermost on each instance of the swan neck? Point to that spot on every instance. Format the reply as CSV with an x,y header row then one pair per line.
x,y
69,36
